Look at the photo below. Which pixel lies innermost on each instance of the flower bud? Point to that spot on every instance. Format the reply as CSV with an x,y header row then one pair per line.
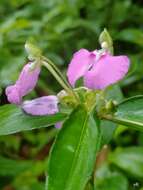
x,y
104,45
105,41
34,55
33,52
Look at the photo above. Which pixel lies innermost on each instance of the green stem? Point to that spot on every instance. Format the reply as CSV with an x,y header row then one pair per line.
x,y
57,70
52,68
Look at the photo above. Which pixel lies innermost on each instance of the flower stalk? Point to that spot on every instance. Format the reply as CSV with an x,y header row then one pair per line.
x,y
57,74
57,71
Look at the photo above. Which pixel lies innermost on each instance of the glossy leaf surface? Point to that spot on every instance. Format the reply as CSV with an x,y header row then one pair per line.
x,y
13,120
130,113
73,155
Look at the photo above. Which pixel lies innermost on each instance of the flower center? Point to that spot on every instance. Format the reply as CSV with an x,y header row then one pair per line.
x,y
94,58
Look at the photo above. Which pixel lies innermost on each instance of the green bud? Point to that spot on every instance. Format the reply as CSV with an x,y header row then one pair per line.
x,y
34,53
105,41
110,106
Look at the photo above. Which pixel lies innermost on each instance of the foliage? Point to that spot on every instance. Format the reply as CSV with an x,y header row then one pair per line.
x,y
61,28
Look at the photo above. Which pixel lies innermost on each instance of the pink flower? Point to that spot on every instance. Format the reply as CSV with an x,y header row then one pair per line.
x,y
46,105
98,69
13,94
26,82
58,125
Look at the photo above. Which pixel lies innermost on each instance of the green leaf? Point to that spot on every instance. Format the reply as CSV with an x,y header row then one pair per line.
x,y
13,120
129,113
129,159
73,155
110,180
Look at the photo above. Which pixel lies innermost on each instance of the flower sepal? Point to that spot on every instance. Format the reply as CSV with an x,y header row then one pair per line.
x,y
67,100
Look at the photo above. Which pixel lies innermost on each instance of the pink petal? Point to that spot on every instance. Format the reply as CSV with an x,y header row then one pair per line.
x,y
46,105
108,70
78,66
25,83
12,93
58,125
27,79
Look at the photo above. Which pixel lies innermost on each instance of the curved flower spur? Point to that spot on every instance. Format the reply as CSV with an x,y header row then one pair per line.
x,y
98,68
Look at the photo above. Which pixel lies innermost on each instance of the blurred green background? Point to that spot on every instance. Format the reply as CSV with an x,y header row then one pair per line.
x,y
61,27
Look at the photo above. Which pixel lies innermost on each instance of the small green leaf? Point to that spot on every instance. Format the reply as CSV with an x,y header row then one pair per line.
x,y
13,120
129,159
129,113
73,155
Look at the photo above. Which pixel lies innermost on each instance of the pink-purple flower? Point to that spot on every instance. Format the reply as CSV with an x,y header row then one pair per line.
x,y
26,82
46,105
99,69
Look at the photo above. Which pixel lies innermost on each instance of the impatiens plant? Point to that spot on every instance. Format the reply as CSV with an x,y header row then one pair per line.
x,y
82,111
